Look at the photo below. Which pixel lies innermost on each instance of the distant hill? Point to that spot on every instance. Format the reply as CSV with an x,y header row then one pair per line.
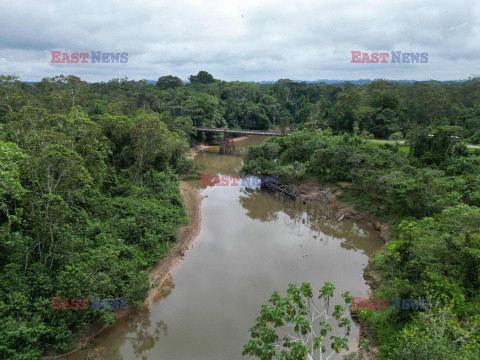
x,y
359,81
325,81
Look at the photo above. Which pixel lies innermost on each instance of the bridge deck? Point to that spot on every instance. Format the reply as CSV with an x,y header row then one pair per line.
x,y
241,131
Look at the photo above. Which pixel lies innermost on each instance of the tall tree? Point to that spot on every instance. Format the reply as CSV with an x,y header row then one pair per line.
x,y
202,77
169,82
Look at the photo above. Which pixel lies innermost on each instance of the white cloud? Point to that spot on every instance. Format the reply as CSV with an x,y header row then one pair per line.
x,y
241,40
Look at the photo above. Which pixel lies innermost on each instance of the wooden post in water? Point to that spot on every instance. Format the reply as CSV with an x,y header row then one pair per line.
x,y
226,144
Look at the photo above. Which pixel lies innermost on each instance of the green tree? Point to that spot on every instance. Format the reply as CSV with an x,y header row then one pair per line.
x,y
433,147
185,126
294,328
284,123
10,94
396,136
11,188
64,92
202,77
169,82
436,334
154,146
10,158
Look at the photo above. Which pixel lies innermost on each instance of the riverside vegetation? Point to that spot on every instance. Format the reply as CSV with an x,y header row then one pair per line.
x,y
433,190
90,199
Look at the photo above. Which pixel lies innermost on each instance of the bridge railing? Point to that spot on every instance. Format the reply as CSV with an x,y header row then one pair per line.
x,y
240,131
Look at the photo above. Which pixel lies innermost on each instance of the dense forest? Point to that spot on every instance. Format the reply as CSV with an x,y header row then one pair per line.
x,y
380,108
90,200
90,197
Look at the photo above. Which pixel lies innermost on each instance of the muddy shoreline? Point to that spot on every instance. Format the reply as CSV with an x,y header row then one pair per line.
x,y
162,270
195,150
327,196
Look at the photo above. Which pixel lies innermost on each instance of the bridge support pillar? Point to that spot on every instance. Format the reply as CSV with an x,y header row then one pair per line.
x,y
227,145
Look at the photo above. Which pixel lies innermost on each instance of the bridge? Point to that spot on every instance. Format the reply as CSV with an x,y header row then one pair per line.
x,y
241,131
227,146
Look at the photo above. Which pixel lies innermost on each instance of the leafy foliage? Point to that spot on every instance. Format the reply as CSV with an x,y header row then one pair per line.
x,y
293,328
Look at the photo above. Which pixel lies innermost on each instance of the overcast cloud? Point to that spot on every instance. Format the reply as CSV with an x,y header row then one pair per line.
x,y
241,40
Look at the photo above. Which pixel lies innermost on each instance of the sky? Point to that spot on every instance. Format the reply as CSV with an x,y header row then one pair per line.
x,y
261,40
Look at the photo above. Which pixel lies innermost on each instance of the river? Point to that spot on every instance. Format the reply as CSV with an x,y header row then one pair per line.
x,y
250,244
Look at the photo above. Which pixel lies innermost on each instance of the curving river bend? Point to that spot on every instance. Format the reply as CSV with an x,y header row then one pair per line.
x,y
250,244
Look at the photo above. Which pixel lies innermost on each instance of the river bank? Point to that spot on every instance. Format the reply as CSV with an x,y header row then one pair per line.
x,y
158,275
199,148
327,196
162,270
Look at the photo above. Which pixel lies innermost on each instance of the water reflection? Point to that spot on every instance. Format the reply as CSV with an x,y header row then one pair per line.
x,y
264,206
256,206
135,329
145,336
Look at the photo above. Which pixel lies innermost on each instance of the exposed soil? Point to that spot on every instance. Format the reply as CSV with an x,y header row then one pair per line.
x,y
199,148
162,270
323,195
372,279
196,150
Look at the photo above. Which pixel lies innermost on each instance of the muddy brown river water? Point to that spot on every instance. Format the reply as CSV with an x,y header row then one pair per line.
x,y
250,244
